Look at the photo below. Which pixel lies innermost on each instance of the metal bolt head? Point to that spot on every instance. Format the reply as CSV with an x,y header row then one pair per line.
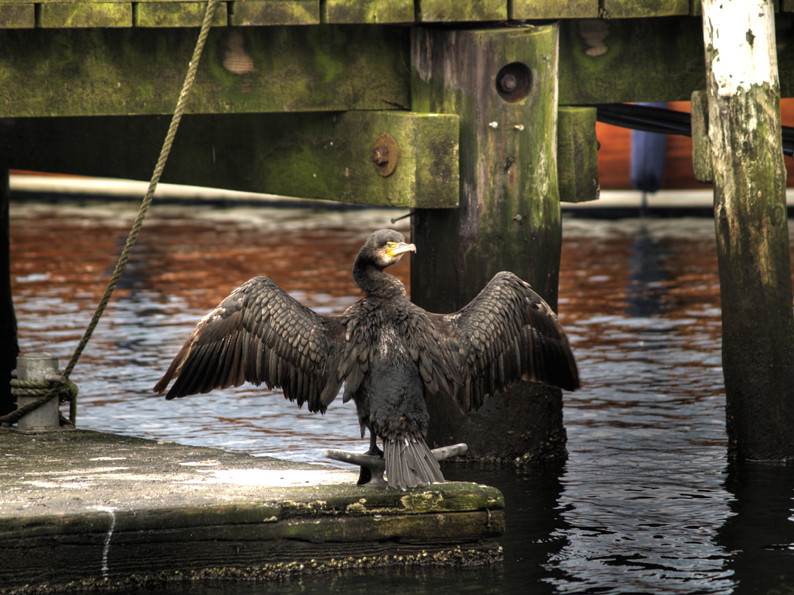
x,y
380,155
508,82
384,155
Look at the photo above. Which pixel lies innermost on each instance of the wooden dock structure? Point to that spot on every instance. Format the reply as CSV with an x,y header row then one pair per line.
x,y
478,115
83,510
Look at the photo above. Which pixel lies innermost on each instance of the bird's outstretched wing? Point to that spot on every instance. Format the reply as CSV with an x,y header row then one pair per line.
x,y
260,334
505,334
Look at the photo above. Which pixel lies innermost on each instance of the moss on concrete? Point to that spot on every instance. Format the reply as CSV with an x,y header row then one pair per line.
x,y
106,510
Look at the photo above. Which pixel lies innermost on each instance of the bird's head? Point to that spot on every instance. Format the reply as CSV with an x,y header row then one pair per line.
x,y
385,247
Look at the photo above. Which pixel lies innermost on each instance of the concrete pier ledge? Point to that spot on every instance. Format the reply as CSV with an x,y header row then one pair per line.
x,y
87,510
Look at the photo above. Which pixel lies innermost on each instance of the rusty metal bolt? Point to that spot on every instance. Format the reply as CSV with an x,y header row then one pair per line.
x,y
508,82
380,155
385,154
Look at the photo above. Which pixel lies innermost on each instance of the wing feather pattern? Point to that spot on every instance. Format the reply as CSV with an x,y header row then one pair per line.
x,y
260,334
505,334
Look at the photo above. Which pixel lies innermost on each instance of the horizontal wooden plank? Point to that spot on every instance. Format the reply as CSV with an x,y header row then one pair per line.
x,y
369,11
17,16
619,60
623,9
274,12
554,9
430,11
86,15
318,155
177,14
78,72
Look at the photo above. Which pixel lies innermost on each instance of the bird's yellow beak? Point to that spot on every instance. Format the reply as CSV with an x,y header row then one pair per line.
x,y
395,249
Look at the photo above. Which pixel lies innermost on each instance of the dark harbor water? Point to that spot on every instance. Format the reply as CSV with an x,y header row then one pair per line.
x,y
646,502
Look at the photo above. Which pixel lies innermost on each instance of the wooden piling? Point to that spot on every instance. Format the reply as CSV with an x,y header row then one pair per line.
x,y
502,83
752,228
8,322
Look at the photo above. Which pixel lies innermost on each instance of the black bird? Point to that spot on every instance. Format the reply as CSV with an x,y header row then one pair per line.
x,y
388,353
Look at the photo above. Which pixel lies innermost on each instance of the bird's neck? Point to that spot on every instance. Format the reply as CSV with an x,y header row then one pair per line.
x,y
375,282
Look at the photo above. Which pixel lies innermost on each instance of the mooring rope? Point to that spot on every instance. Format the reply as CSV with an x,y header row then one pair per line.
x,y
56,389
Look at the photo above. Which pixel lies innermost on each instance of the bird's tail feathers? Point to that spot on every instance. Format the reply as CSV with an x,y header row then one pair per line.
x,y
409,463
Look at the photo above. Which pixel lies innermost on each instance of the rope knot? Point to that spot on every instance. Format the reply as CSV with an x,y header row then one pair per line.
x,y
44,391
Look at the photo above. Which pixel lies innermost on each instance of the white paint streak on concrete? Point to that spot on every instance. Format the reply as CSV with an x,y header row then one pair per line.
x,y
742,33
108,537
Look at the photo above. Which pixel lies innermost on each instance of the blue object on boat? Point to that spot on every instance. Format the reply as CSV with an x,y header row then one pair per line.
x,y
647,157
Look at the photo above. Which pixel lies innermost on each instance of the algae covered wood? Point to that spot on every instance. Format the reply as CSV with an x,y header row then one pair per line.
x,y
461,10
509,205
319,155
243,70
620,60
503,84
625,9
577,154
752,228
86,15
274,12
17,16
369,11
701,147
176,14
554,9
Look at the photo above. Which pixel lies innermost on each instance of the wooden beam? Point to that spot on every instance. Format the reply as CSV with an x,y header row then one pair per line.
x,y
17,16
577,154
96,72
503,85
634,9
701,148
322,155
274,12
86,15
554,9
752,228
615,61
176,14
369,11
429,11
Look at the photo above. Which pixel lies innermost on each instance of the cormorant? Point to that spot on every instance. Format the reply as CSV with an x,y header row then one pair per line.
x,y
388,353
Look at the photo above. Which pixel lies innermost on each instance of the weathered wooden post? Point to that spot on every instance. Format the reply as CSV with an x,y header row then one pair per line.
x,y
8,322
751,225
502,83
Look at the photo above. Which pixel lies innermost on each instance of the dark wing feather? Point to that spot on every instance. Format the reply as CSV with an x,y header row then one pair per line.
x,y
260,334
505,334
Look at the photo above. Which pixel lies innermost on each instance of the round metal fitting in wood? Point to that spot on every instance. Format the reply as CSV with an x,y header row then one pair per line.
x,y
384,155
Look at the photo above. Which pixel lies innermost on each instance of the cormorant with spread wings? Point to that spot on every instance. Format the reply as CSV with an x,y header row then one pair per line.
x,y
386,351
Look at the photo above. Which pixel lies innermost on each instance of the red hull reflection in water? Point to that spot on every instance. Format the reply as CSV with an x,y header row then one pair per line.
x,y
181,267
642,505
